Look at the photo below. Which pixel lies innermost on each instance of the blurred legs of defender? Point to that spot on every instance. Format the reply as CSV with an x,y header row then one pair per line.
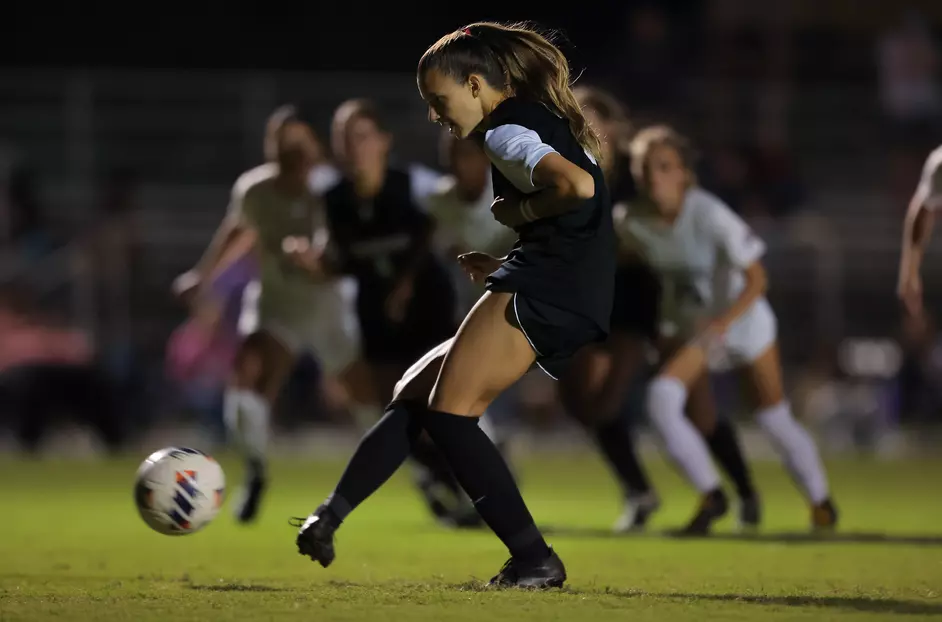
x,y
750,344
445,393
593,391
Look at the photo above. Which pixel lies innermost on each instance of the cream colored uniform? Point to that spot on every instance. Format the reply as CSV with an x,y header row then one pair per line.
x,y
302,313
929,190
468,225
700,259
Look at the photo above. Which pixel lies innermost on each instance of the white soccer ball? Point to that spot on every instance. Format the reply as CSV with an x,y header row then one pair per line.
x,y
179,490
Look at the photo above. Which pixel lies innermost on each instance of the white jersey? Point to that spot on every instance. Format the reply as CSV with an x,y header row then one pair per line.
x,y
287,302
466,226
929,191
701,259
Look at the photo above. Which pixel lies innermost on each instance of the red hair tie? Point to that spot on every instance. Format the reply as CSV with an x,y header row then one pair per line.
x,y
466,31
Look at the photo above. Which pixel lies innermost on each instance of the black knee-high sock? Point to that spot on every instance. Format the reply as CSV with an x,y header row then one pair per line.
x,y
484,475
724,445
380,453
617,445
428,455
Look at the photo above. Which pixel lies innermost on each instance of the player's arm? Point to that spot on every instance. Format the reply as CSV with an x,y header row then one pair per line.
x,y
549,183
917,230
230,229
744,249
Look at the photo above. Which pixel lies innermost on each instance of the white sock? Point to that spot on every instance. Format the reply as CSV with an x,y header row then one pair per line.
x,y
247,416
665,403
797,450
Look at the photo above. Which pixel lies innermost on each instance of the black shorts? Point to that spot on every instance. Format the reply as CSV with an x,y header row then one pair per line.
x,y
636,303
554,334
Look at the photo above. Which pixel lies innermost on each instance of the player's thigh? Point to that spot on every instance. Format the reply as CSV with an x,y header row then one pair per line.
x,y
683,361
701,405
762,378
262,363
488,355
583,381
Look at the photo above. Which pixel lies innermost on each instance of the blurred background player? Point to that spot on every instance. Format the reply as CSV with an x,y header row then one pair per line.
x,y
713,285
917,229
290,308
406,302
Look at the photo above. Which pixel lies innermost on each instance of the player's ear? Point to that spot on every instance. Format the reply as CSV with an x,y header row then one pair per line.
x,y
475,82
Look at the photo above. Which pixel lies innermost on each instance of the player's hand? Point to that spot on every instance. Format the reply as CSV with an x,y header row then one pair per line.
x,y
397,303
910,294
186,285
478,265
507,212
301,253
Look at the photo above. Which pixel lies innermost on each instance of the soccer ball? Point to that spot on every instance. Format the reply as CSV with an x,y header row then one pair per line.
x,y
179,490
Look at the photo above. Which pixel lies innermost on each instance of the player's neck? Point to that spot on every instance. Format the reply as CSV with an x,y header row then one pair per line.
x,y
369,183
291,183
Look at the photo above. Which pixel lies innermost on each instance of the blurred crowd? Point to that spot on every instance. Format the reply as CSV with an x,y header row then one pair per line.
x,y
121,382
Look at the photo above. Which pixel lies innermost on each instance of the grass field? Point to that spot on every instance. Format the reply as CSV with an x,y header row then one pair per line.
x,y
73,548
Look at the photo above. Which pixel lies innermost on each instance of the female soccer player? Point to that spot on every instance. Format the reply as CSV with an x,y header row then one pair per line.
x,y
289,309
508,87
405,298
714,298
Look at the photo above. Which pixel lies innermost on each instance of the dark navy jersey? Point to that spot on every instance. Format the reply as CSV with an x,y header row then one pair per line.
x,y
567,260
377,240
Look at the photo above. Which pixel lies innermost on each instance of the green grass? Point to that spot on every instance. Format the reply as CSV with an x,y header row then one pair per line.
x,y
73,548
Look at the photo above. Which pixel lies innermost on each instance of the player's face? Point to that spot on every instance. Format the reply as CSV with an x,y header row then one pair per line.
x,y
365,146
298,149
452,104
470,165
667,178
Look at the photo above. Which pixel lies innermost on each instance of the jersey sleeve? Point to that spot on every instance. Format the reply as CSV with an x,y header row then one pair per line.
x,y
424,182
515,151
929,190
732,235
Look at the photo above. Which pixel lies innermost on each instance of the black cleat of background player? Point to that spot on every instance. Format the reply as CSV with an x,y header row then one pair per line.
x,y
316,537
545,574
713,507
247,509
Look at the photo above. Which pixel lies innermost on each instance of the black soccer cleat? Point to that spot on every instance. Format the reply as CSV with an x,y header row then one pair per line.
x,y
247,509
824,516
713,506
316,537
638,510
541,575
750,513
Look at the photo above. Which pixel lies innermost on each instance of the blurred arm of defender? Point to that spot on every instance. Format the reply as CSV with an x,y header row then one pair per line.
x,y
232,227
744,250
917,229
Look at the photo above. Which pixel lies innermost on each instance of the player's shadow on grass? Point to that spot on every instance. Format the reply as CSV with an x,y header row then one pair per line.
x,y
235,587
798,537
852,603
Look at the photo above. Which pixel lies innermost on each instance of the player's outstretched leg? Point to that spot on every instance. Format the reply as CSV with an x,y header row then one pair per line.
x,y
790,439
667,396
380,453
261,367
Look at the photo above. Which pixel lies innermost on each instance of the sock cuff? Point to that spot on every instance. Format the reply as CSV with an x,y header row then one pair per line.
x,y
338,506
776,411
440,416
